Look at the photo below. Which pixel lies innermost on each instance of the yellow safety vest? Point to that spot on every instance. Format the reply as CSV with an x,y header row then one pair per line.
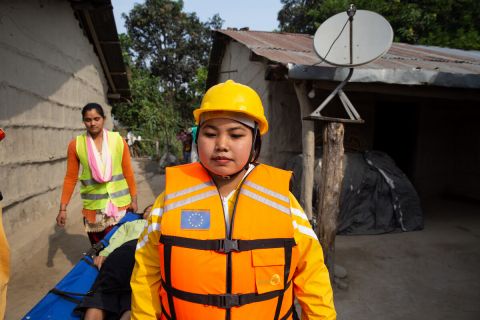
x,y
94,194
209,274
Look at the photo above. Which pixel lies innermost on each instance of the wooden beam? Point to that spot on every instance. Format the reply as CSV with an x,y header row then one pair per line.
x,y
329,194
308,147
97,45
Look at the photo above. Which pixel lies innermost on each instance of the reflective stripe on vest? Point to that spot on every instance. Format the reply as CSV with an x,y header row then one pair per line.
x,y
265,201
192,199
89,182
188,190
94,196
260,257
267,191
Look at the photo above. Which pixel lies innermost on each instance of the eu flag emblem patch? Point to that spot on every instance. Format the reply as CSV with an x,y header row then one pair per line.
x,y
195,220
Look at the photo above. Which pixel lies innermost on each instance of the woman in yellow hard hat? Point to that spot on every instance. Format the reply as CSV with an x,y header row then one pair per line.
x,y
226,239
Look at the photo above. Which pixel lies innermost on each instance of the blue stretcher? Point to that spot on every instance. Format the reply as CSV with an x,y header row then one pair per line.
x,y
59,303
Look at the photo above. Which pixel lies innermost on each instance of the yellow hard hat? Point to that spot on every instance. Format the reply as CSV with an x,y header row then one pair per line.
x,y
233,97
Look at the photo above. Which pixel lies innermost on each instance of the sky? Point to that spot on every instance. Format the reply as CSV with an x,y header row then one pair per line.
x,y
260,15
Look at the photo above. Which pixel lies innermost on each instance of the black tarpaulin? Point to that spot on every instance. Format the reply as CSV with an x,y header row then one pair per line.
x,y
377,197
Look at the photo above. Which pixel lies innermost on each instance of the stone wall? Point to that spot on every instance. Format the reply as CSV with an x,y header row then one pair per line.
x,y
49,71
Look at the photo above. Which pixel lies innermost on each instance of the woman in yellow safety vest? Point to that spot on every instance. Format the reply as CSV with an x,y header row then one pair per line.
x,y
107,181
226,239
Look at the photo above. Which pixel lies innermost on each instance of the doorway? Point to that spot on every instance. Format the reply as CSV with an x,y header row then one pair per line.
x,y
395,133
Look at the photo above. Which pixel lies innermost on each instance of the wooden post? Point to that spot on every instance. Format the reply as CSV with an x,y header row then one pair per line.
x,y
157,148
329,194
308,148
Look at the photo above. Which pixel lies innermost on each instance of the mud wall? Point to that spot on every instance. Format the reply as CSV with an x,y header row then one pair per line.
x,y
49,72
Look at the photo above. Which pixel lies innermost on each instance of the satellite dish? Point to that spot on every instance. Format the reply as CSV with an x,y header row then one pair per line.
x,y
371,37
350,39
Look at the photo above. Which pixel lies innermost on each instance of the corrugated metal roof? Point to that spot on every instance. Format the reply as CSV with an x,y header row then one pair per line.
x,y
402,64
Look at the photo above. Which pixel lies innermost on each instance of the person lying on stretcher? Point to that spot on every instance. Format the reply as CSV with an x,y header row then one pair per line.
x,y
110,295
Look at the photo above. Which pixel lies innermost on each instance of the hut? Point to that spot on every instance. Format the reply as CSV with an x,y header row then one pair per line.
x,y
419,103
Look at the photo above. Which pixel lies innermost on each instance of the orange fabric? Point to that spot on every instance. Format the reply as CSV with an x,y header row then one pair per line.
x,y
255,271
4,267
71,176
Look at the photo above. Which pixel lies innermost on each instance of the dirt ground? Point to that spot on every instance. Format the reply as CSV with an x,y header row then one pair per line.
x,y
429,274
425,275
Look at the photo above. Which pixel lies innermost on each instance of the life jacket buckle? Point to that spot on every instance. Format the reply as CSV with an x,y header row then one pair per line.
x,y
226,301
227,245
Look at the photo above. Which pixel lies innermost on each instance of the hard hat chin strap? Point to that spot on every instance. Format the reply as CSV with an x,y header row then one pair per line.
x,y
252,157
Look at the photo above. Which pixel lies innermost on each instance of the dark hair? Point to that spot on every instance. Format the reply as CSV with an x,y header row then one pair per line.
x,y
91,106
257,147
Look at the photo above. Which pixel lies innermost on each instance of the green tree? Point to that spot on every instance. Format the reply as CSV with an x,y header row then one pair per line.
x,y
172,45
166,51
448,23
148,113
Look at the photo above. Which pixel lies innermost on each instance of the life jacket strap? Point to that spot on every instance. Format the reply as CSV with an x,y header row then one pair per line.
x,y
224,301
227,245
164,312
286,272
168,275
289,313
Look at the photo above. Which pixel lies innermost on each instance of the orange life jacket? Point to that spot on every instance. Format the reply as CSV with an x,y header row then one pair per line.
x,y
208,274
